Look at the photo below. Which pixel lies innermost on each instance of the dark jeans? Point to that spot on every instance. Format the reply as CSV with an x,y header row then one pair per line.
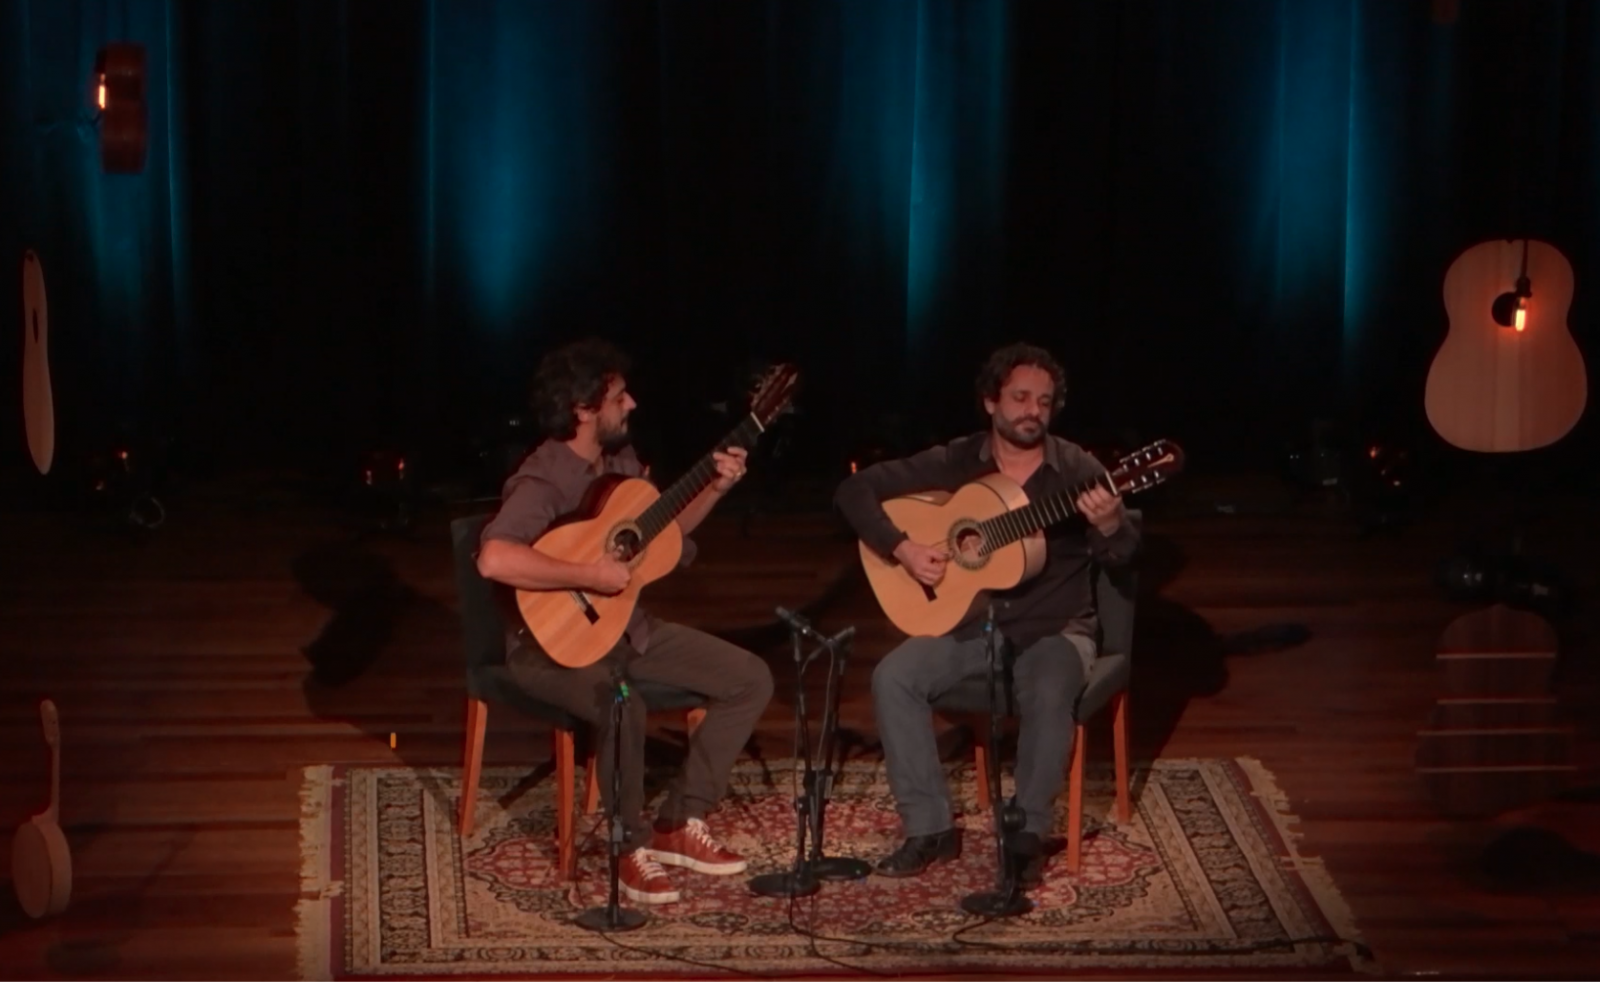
x,y
1047,677
737,684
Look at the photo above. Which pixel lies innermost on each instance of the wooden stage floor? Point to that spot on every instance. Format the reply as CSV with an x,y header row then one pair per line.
x,y
198,670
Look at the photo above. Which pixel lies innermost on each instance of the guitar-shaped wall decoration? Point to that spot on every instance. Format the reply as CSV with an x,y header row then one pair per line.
x,y
994,536
628,518
1509,376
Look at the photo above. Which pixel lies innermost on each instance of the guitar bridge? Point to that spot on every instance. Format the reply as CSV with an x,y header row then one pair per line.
x,y
585,606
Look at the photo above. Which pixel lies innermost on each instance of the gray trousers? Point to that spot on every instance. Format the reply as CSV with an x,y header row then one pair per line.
x,y
737,684
1048,677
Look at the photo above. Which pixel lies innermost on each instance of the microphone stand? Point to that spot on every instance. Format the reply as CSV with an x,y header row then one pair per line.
x,y
804,879
613,916
831,867
1007,898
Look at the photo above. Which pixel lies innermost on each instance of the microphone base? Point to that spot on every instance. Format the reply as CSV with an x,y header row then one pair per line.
x,y
791,884
611,919
1000,904
839,868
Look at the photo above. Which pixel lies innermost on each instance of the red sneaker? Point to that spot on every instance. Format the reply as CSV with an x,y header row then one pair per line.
x,y
692,846
643,880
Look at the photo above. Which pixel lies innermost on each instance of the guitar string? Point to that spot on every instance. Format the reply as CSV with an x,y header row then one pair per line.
x,y
1018,523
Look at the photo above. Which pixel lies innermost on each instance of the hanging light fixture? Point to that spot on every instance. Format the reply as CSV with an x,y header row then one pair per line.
x,y
1511,309
119,97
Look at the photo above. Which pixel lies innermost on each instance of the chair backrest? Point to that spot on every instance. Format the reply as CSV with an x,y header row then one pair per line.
x,y
482,627
1116,593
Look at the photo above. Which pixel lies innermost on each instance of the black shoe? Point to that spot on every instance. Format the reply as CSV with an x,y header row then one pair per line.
x,y
919,852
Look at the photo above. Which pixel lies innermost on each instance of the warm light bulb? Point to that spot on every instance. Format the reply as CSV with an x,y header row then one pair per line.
x,y
1522,314
101,94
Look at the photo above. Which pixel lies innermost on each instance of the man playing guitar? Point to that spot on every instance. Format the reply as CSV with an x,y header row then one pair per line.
x,y
582,401
1049,619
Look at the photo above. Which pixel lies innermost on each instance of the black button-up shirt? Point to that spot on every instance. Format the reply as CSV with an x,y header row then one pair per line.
x,y
1058,600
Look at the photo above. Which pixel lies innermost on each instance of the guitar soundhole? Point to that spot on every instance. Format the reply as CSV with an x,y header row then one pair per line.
x,y
625,544
968,542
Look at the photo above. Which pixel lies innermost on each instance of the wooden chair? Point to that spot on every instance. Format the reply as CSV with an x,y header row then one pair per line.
x,y
490,681
1115,593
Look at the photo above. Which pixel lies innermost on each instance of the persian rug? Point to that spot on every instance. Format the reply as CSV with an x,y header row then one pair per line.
x,y
1206,877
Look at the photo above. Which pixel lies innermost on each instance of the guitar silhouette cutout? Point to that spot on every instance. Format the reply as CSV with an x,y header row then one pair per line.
x,y
1509,376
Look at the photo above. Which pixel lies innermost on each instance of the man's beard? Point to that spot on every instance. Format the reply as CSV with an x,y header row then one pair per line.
x,y
612,440
1012,431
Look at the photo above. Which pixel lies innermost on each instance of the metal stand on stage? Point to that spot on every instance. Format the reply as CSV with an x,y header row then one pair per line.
x,y
1007,898
817,781
613,916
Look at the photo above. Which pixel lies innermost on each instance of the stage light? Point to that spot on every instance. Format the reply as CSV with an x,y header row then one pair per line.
x,y
123,482
1381,486
119,95
1515,580
387,497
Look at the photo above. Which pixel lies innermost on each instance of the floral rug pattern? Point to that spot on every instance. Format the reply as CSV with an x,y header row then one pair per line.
x,y
1204,877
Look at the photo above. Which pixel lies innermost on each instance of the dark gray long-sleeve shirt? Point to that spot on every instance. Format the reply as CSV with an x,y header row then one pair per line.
x,y
1061,598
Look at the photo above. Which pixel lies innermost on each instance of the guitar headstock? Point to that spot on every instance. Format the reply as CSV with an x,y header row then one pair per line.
x,y
1155,464
773,392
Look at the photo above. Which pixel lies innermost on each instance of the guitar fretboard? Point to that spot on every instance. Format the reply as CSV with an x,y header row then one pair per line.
x,y
1002,530
684,490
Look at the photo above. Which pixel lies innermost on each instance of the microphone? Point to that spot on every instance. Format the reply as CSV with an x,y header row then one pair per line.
x,y
800,624
842,636
619,680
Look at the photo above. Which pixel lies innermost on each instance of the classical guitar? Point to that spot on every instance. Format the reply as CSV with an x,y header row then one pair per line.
x,y
628,518
1508,376
994,536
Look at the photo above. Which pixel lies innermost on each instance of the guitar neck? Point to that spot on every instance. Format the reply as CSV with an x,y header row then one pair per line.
x,y
1002,530
686,488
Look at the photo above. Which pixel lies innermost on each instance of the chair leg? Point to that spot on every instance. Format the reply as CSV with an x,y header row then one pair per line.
x,y
472,762
566,852
1075,802
980,769
591,786
1119,726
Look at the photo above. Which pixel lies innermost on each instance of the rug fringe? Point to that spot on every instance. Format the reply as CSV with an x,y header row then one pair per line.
x,y
312,920
1312,870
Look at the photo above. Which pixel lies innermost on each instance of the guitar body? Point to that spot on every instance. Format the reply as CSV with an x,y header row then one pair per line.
x,y
38,406
577,628
1496,389
930,519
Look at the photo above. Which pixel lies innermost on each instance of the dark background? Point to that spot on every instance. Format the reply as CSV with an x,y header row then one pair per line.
x,y
361,222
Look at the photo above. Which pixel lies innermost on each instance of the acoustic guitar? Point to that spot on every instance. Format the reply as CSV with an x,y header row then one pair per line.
x,y
37,404
626,517
1509,376
41,859
993,535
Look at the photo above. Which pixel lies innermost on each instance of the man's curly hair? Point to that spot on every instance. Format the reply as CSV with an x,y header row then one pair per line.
x,y
992,376
574,375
